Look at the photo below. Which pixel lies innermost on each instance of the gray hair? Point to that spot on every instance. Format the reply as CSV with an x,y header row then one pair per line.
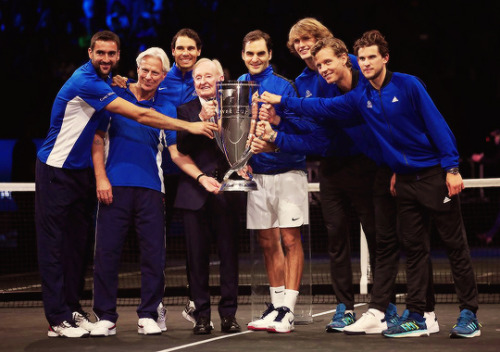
x,y
158,53
216,62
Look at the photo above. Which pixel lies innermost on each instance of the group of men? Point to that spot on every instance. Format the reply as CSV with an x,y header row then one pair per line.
x,y
109,140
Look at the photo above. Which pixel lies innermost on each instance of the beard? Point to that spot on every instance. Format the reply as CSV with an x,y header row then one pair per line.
x,y
101,73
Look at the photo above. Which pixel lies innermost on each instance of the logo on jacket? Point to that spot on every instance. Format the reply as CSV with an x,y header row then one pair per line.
x,y
308,93
446,200
369,104
395,100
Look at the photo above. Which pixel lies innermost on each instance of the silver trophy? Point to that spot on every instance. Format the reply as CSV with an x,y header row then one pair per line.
x,y
236,117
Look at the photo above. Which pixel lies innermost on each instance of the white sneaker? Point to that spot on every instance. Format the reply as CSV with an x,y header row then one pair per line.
x,y
284,321
82,320
66,329
367,324
431,321
188,311
103,328
162,317
147,326
265,320
188,314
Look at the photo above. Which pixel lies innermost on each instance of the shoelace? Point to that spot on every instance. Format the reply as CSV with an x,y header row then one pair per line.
x,y
281,313
269,309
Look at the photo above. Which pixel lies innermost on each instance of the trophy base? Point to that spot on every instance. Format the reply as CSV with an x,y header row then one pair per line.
x,y
238,185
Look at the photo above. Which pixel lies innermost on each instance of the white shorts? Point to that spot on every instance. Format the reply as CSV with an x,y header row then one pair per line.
x,y
280,201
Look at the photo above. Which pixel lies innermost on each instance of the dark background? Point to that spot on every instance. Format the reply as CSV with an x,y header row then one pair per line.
x,y
453,46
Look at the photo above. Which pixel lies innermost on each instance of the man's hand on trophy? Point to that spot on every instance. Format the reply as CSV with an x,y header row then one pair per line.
x,y
260,146
202,127
208,110
210,184
265,131
270,98
119,81
267,112
245,172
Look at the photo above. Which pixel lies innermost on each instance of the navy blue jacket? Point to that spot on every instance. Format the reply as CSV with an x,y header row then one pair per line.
x,y
409,128
276,163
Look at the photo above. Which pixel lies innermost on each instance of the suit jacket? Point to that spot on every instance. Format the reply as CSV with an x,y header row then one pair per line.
x,y
204,152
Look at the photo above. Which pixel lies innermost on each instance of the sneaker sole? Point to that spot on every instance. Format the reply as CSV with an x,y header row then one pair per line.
x,y
273,330
371,331
253,328
408,334
54,334
110,333
334,330
142,332
461,336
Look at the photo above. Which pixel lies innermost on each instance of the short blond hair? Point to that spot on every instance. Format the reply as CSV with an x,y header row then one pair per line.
x,y
216,62
158,53
308,25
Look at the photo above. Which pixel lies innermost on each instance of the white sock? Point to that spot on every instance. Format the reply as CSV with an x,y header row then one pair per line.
x,y
377,313
277,295
290,299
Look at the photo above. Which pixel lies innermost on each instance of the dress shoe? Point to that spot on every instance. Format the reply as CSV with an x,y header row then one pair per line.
x,y
202,326
229,324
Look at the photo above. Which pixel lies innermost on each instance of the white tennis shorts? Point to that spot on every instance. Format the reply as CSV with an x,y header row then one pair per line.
x,y
280,201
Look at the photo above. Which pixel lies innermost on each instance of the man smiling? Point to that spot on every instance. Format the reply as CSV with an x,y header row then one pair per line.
x,y
64,209
208,215
280,205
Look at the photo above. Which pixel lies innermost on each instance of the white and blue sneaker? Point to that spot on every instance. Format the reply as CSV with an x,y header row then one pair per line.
x,y
340,319
284,321
162,317
265,319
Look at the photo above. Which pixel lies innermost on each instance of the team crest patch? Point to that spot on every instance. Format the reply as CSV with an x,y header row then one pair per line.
x,y
369,104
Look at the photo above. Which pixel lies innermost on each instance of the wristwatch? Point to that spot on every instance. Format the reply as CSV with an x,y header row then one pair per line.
x,y
453,171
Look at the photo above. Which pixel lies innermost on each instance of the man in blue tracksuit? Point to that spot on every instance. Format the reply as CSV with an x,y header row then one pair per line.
x,y
178,87
420,148
280,205
330,56
345,174
130,191
65,188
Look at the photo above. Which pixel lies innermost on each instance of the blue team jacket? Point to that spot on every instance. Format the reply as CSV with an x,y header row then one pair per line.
x,y
409,128
275,163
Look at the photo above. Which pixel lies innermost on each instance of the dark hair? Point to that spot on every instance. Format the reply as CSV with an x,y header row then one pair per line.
x,y
373,37
256,35
105,36
187,32
338,47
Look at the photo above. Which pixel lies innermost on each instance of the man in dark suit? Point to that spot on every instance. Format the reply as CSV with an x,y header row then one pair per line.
x,y
208,214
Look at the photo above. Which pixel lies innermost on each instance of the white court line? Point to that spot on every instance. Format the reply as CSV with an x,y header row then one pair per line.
x,y
204,341
239,333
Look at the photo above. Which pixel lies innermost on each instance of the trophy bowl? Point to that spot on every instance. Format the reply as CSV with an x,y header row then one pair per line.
x,y
236,117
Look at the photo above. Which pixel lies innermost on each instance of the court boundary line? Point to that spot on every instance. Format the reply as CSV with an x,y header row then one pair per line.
x,y
239,333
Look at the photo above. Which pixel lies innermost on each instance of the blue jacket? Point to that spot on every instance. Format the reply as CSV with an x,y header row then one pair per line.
x,y
178,89
330,138
275,163
410,130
